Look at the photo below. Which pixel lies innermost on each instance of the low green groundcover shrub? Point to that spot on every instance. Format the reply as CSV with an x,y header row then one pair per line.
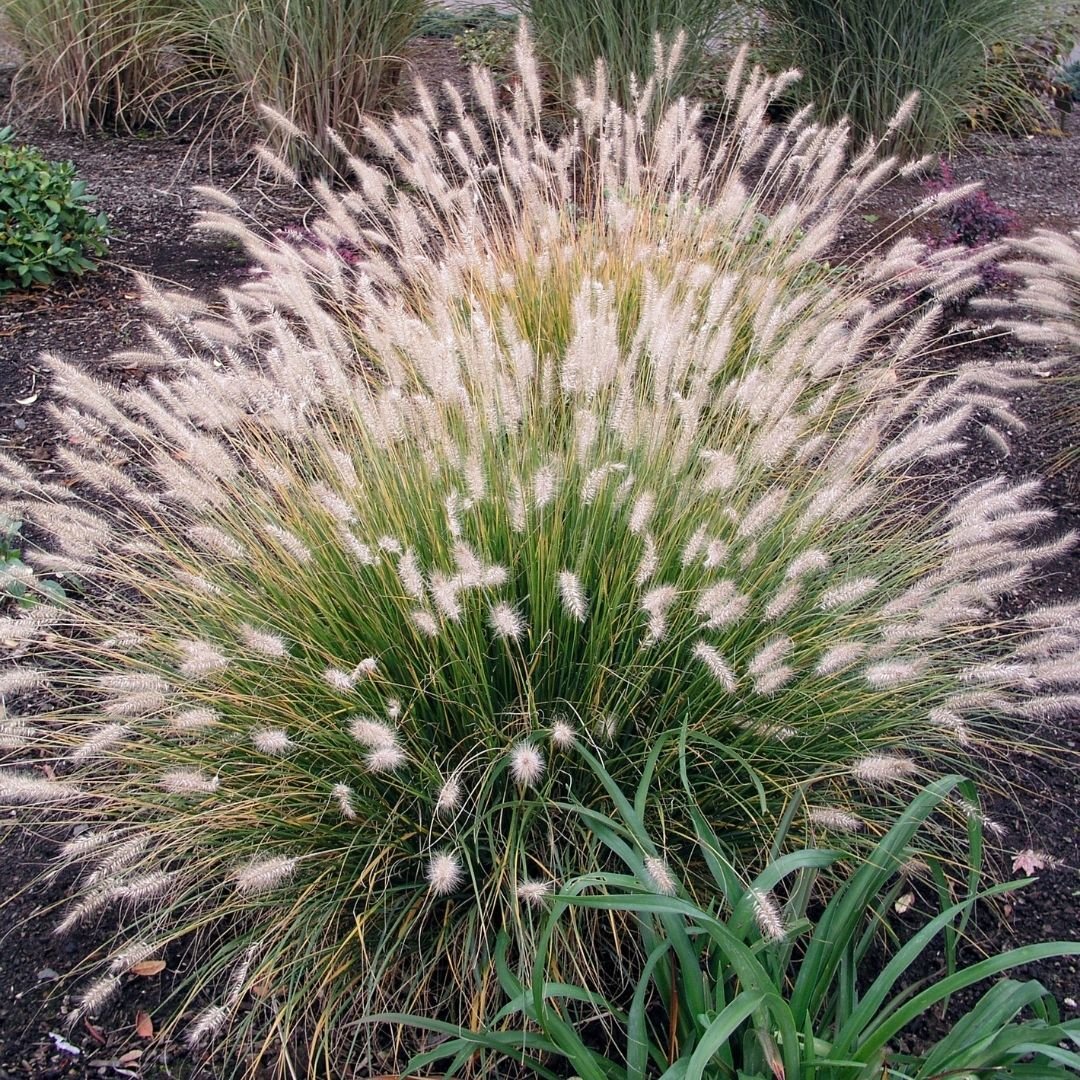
x,y
47,224
582,446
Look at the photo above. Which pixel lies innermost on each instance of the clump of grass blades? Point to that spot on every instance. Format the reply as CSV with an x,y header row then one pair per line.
x,y
572,451
863,58
573,36
94,62
321,66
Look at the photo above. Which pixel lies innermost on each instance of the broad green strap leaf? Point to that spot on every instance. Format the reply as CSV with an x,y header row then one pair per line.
x,y
722,1027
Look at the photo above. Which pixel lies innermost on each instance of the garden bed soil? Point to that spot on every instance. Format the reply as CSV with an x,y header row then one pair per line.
x,y
144,183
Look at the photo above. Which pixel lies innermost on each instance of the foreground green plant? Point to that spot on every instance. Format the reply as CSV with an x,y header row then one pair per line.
x,y
574,450
864,58
763,981
47,224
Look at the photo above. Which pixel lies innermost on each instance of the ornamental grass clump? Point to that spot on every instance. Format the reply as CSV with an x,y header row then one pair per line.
x,y
585,447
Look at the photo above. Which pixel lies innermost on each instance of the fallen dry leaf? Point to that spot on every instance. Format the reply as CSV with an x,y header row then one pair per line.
x,y
95,1033
129,1058
144,1026
1028,861
147,967
903,903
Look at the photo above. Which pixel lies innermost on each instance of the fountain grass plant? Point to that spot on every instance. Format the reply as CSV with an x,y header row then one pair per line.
x,y
585,445
862,58
94,62
323,64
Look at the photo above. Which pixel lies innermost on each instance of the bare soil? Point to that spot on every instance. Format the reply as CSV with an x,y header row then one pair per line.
x,y
144,183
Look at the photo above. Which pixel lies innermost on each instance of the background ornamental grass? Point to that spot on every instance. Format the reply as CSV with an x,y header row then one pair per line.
x,y
586,450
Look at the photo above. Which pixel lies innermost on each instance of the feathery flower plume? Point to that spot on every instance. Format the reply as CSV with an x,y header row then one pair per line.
x,y
357,549
449,797
768,682
516,508
716,551
717,665
272,741
132,953
201,658
949,721
642,512
98,994
848,593
808,562
385,758
238,977
216,542
649,561
721,604
574,601
133,682
974,812
342,794
410,574
545,486
829,817
21,786
893,672
444,591
262,642
444,873
145,886
533,892
783,600
562,734
839,657
425,622
139,704
883,769
198,583
721,471
337,679
206,1025
188,782
194,719
526,764
374,734
506,622
767,916
15,733
660,877
290,542
100,741
333,504
262,875
771,655
16,680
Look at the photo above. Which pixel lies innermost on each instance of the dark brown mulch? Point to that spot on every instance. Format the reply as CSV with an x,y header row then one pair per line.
x,y
144,184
